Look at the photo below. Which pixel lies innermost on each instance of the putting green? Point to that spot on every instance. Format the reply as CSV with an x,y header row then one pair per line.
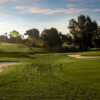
x,y
87,70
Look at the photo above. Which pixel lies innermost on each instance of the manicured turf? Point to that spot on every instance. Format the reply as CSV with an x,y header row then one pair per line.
x,y
92,53
86,69
48,76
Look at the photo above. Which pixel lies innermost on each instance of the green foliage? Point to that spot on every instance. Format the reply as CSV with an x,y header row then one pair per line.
x,y
14,34
96,38
83,30
69,39
51,39
32,33
3,38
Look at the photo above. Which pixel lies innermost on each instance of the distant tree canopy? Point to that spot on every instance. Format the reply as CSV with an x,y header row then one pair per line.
x,y
33,35
14,33
83,31
96,38
51,39
63,37
15,37
3,38
69,39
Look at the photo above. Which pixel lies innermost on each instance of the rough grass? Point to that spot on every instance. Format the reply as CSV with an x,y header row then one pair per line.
x,y
49,76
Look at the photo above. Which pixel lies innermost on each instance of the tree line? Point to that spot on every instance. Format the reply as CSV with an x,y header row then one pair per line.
x,y
84,33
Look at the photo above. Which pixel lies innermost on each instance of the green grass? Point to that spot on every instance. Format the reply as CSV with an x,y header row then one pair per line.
x,y
87,70
48,76
91,53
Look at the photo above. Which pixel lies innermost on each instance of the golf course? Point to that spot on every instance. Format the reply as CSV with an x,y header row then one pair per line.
x,y
46,75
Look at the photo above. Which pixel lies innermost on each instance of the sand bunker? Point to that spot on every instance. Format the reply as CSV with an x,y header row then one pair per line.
x,y
7,63
78,56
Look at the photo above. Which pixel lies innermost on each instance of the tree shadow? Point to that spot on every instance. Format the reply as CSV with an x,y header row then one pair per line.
x,y
21,54
16,55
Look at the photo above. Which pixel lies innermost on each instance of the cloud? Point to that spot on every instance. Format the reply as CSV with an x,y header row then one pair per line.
x,y
21,7
96,10
2,1
27,9
70,5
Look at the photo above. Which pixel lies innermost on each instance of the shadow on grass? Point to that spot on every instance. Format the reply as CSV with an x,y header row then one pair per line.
x,y
15,55
20,54
94,49
69,49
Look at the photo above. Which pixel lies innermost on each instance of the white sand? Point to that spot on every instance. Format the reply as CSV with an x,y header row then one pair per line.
x,y
78,56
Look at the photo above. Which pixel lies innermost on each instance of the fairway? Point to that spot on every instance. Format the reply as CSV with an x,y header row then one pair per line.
x,y
47,75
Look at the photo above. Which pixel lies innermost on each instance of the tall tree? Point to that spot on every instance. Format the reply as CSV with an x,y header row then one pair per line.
x,y
6,39
33,35
13,36
69,39
51,39
62,37
84,29
96,38
73,29
3,38
19,39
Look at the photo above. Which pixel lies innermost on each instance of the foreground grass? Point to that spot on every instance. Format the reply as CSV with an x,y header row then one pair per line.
x,y
49,76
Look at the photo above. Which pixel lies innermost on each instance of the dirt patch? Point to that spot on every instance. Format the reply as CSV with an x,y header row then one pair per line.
x,y
7,63
78,56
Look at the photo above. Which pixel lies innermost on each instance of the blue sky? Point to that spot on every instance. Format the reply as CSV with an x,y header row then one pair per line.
x,y
22,15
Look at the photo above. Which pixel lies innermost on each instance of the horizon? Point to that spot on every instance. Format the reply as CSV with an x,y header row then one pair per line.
x,y
27,14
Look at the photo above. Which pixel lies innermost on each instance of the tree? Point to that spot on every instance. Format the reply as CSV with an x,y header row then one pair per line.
x,y
96,38
25,41
51,39
72,27
33,35
83,29
13,36
62,37
19,39
6,37
69,39
3,38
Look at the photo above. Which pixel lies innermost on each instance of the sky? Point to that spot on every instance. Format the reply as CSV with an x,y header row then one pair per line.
x,y
22,15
